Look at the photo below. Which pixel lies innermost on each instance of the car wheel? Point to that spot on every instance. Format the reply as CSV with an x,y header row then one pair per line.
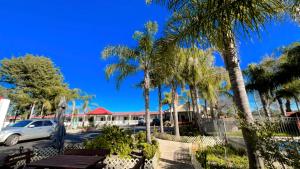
x,y
12,140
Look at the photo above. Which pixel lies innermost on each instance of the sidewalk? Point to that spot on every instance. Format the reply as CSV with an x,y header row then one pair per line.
x,y
174,155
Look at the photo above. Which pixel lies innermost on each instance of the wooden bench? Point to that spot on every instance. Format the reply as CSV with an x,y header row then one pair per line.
x,y
11,161
87,152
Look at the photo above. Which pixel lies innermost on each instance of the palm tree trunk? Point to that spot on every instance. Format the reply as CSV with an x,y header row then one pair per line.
x,y
264,104
257,108
42,111
297,105
205,108
16,116
281,106
241,99
192,97
288,105
73,113
196,101
177,134
31,111
171,114
160,109
146,94
212,112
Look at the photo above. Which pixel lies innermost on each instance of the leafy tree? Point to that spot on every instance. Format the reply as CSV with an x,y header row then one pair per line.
x,y
32,81
132,60
217,22
289,68
260,78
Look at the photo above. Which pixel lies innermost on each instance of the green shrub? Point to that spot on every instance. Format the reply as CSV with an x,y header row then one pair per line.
x,y
189,130
113,138
222,157
141,137
149,150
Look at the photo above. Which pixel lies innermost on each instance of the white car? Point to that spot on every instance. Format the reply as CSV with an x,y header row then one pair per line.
x,y
27,130
141,121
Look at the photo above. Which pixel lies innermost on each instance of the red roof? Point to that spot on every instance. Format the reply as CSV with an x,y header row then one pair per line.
x,y
99,111
134,113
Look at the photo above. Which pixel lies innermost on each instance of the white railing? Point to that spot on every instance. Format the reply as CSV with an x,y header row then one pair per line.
x,y
115,162
152,163
203,140
117,122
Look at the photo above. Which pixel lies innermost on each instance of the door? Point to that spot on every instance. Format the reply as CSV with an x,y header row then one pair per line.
x,y
37,129
48,128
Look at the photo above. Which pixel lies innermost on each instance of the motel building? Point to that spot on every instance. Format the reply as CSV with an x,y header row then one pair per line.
x,y
101,116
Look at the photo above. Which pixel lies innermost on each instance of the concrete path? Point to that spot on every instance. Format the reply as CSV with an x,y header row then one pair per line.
x,y
174,155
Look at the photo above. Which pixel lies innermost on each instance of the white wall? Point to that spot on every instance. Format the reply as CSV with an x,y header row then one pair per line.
x,y
4,104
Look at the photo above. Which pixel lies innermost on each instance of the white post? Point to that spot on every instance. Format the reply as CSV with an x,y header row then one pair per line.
x,y
4,104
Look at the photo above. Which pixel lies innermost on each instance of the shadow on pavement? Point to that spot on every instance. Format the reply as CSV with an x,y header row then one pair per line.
x,y
169,164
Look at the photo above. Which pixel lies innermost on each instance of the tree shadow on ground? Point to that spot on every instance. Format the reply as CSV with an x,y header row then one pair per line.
x,y
170,164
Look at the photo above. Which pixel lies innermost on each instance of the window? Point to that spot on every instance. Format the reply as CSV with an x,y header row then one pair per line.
x,y
47,123
80,119
113,118
102,119
37,123
135,118
125,118
21,123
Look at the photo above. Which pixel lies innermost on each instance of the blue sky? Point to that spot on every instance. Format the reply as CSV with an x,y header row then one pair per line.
x,y
73,33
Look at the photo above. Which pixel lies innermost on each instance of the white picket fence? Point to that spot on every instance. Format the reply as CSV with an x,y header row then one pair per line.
x,y
152,163
115,162
203,140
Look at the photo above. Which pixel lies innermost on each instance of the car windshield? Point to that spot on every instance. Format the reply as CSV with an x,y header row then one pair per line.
x,y
21,123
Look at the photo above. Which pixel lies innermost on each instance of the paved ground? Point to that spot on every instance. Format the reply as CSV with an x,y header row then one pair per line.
x,y
70,138
174,155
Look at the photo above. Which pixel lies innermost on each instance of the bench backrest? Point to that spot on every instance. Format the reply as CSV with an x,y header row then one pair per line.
x,y
11,160
87,152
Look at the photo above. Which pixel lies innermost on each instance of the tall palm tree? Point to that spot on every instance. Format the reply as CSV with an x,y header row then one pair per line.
x,y
260,78
174,68
158,78
132,60
197,63
185,97
290,91
217,22
168,101
215,83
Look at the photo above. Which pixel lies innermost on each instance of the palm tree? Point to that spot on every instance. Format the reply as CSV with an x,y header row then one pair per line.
x,y
46,106
174,68
158,77
216,22
132,60
289,91
260,78
168,101
185,97
215,83
197,63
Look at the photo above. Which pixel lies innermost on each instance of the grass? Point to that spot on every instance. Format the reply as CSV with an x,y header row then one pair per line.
x,y
239,134
222,157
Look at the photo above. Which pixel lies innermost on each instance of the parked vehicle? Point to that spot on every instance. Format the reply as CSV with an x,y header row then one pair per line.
x,y
27,130
155,122
141,121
